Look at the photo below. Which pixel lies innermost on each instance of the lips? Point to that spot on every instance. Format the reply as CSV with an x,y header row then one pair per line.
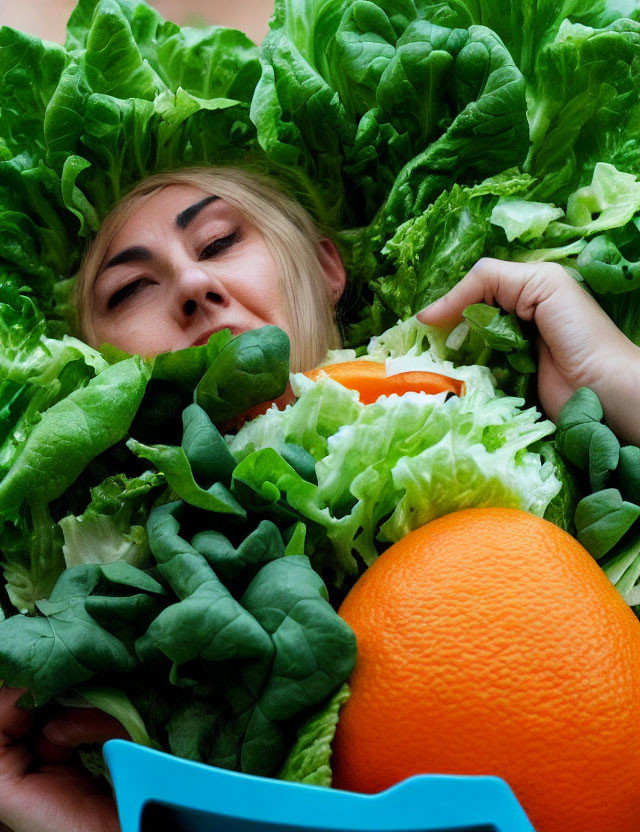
x,y
199,342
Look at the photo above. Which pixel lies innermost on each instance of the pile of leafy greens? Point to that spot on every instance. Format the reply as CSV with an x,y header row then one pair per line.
x,y
169,602
186,582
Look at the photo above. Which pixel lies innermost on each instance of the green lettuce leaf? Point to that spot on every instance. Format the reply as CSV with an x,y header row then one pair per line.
x,y
623,570
72,432
117,704
375,81
427,255
610,201
309,759
597,241
607,271
35,371
528,26
113,525
523,219
32,556
582,105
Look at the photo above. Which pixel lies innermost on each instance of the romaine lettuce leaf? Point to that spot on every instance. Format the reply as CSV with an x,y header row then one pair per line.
x,y
610,201
32,556
406,108
72,432
597,241
97,539
523,219
582,106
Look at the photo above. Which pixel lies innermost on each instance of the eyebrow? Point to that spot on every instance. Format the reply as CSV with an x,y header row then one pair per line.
x,y
127,255
185,217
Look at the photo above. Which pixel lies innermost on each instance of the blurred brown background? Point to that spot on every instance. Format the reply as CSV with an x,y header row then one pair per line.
x,y
47,18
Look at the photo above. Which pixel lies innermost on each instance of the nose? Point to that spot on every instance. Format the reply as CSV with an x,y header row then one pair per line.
x,y
198,289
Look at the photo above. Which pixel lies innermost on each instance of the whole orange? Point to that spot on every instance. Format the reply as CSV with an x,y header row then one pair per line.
x,y
490,642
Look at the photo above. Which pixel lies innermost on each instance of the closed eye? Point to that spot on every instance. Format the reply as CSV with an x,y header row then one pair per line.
x,y
218,245
126,292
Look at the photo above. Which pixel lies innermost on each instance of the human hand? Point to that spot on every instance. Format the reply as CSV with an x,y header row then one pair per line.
x,y
42,789
578,344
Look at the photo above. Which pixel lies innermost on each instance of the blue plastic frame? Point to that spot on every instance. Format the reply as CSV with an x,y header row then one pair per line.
x,y
235,802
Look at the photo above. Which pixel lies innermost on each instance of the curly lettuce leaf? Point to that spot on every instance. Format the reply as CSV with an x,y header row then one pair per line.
x,y
113,526
35,371
309,761
427,255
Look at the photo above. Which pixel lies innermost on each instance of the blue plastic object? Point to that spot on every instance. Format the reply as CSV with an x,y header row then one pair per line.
x,y
156,791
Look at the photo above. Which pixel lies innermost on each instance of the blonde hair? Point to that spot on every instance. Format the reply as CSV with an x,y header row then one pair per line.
x,y
290,235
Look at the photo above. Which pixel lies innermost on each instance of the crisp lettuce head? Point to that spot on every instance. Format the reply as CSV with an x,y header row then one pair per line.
x,y
384,469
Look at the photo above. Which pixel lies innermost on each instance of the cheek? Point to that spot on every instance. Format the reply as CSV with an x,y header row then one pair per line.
x,y
143,331
260,290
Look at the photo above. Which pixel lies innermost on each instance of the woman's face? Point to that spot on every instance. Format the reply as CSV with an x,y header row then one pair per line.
x,y
185,265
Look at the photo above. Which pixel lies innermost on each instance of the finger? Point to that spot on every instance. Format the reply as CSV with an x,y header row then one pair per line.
x,y
80,726
51,753
498,282
15,723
